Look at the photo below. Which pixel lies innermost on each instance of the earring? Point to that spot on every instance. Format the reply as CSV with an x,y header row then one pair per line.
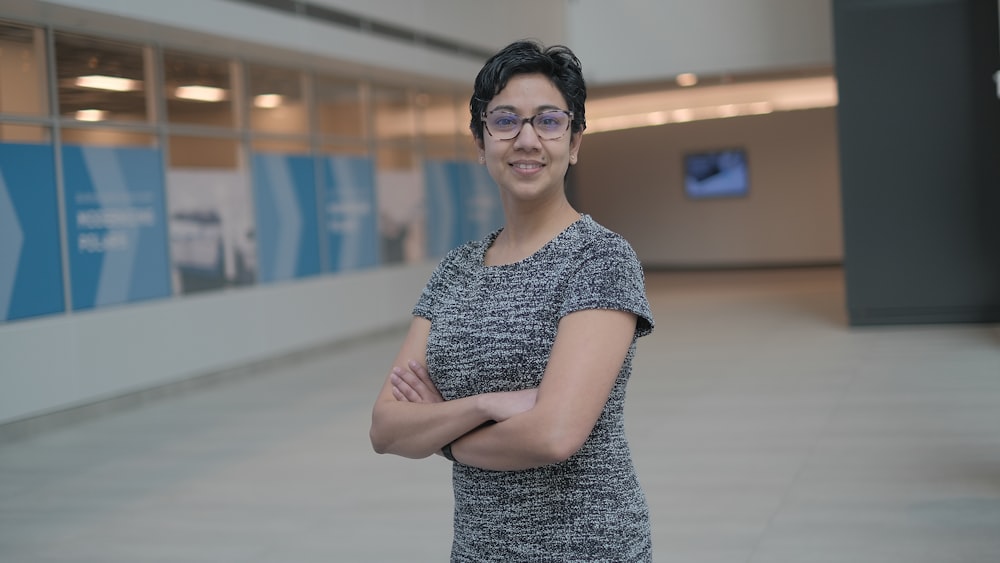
x,y
482,159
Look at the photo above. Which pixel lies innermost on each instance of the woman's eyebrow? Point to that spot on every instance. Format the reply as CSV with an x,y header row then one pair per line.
x,y
538,109
511,109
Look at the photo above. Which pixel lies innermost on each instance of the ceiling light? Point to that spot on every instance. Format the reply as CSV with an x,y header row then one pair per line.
x,y
113,83
201,93
679,105
658,118
687,79
267,101
91,115
619,122
682,115
728,110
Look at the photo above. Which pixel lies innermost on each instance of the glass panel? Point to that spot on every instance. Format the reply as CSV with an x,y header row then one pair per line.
x,y
439,120
396,157
349,213
204,152
100,80
115,229
345,148
24,133
287,146
210,209
399,187
107,137
22,70
467,149
276,101
30,262
340,106
198,89
463,115
441,151
287,215
394,116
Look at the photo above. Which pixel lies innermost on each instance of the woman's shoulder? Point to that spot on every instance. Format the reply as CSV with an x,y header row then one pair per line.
x,y
595,237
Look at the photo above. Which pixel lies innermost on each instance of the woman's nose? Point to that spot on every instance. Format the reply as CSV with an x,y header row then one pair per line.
x,y
527,137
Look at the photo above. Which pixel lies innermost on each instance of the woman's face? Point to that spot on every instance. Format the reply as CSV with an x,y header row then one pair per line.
x,y
528,167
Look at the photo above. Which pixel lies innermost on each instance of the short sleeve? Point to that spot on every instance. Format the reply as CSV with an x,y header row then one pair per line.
x,y
610,277
436,284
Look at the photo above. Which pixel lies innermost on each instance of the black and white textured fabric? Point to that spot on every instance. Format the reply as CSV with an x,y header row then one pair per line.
x,y
492,329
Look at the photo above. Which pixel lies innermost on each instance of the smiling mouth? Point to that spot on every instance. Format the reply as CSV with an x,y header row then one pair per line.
x,y
527,165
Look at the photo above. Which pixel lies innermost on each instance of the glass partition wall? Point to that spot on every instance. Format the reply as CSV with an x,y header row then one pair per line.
x,y
157,171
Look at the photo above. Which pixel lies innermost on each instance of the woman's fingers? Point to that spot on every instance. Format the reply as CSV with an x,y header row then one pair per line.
x,y
432,393
398,394
409,386
402,389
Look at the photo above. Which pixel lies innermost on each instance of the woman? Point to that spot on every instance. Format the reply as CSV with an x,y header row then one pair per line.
x,y
516,361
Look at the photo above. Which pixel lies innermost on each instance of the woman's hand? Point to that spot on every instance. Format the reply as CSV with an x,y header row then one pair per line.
x,y
412,384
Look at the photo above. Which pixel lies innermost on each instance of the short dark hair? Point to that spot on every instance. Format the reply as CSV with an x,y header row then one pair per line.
x,y
557,63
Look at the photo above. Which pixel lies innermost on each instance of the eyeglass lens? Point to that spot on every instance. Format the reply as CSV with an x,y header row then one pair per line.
x,y
549,125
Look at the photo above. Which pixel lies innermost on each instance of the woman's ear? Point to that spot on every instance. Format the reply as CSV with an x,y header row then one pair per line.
x,y
481,148
574,146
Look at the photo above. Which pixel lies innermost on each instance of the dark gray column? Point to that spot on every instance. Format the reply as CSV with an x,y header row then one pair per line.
x,y
919,130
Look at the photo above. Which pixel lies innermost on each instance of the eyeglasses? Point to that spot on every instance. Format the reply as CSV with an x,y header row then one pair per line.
x,y
548,125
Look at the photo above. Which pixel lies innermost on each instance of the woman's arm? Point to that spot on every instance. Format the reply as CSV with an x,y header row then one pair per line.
x,y
410,418
587,356
417,430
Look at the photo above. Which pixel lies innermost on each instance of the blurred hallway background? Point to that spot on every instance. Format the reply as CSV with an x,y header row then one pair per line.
x,y
216,215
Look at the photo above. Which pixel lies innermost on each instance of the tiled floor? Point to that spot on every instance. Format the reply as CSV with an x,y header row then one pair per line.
x,y
765,431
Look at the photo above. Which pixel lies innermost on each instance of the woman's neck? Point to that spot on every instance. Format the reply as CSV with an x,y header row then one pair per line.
x,y
526,232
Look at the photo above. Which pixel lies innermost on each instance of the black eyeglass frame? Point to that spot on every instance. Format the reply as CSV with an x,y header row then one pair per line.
x,y
523,120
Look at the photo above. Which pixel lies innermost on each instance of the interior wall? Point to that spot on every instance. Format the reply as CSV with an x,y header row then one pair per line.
x,y
57,362
632,182
645,40
488,24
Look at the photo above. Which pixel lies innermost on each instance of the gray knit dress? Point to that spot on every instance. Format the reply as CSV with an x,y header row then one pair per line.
x,y
492,329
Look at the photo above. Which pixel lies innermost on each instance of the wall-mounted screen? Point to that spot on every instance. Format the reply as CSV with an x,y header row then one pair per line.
x,y
718,173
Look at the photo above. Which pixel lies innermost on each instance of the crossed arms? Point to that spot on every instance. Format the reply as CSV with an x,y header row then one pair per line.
x,y
534,427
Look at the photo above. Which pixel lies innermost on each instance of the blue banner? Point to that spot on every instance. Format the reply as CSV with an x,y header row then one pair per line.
x,y
30,265
116,225
482,209
463,204
350,212
443,181
287,224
